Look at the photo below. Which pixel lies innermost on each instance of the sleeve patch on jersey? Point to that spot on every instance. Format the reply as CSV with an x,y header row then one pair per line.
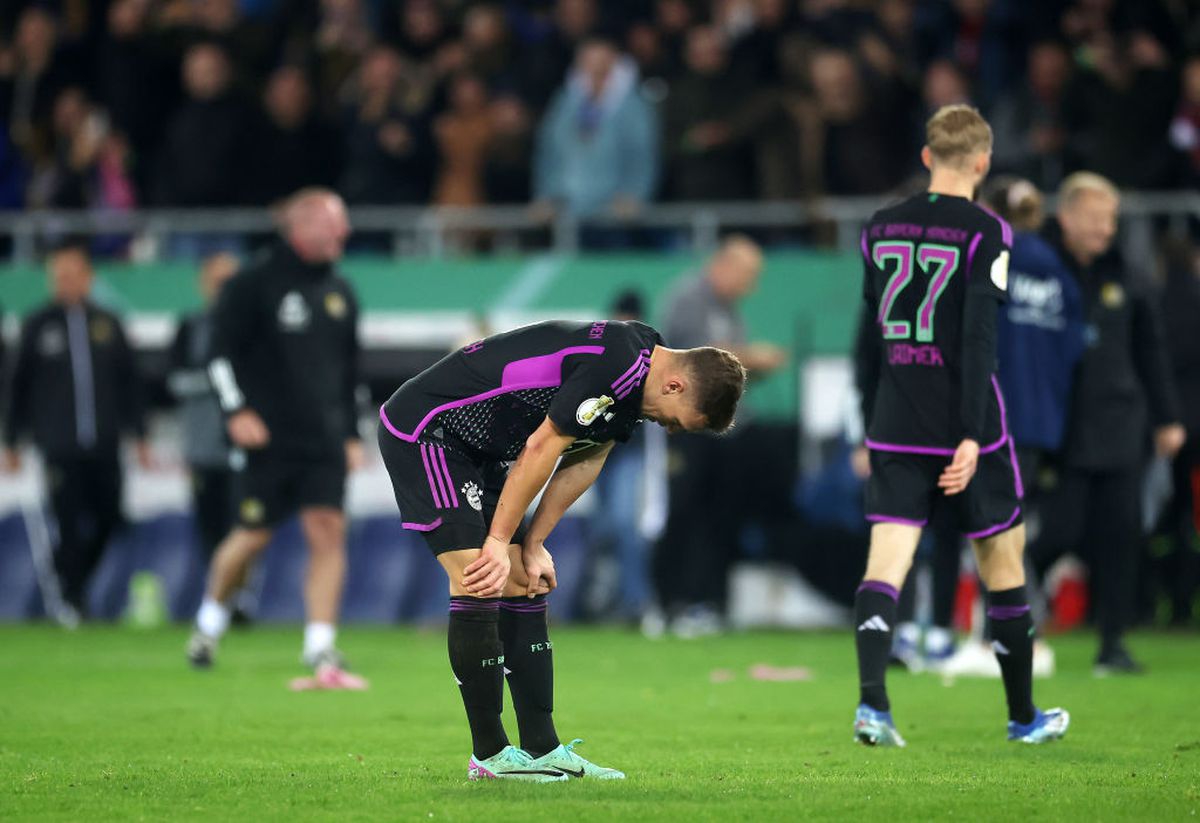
x,y
592,408
1000,271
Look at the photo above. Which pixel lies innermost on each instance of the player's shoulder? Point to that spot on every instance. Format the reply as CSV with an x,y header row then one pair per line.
x,y
626,334
991,222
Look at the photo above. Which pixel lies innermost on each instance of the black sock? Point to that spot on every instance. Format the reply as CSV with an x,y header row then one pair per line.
x,y
477,659
529,664
875,617
1012,640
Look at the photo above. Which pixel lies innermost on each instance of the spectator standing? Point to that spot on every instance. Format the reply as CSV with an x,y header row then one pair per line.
x,y
1181,302
1031,137
693,559
1123,387
389,154
706,157
506,165
597,148
1119,110
30,82
293,147
463,134
859,152
134,82
1185,127
203,159
74,390
206,446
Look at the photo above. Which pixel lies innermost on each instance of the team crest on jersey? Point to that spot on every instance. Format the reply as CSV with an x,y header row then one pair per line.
x,y
474,496
1112,295
252,510
1000,271
335,304
102,330
592,408
293,312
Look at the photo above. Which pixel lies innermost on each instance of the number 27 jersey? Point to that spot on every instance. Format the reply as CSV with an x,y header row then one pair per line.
x,y
923,259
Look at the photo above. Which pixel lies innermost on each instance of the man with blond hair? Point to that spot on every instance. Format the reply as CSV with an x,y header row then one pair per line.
x,y
935,273
1123,389
285,352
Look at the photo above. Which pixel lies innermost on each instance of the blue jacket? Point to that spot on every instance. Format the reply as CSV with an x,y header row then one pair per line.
x,y
1040,339
590,152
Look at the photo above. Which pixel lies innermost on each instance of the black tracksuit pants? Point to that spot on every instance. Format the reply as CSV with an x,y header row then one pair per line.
x,y
1097,515
85,496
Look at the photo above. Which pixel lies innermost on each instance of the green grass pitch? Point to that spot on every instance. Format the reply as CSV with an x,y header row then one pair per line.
x,y
109,724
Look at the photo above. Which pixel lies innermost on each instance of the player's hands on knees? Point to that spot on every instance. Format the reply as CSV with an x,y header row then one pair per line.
x,y
247,430
539,568
487,574
958,474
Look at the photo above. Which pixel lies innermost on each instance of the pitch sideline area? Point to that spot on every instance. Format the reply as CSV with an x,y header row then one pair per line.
x,y
109,724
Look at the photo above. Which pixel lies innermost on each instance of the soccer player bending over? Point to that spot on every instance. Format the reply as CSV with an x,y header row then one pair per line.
x,y
936,269
470,442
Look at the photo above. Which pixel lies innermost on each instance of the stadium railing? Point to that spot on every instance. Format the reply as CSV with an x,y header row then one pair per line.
x,y
437,232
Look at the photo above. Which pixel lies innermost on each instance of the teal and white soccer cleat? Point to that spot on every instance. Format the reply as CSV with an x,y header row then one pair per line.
x,y
566,761
875,728
512,764
1046,726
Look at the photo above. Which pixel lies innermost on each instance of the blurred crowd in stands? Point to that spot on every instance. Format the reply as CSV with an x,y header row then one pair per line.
x,y
593,107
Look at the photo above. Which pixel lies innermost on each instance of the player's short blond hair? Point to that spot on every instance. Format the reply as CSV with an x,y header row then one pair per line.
x,y
1085,181
956,132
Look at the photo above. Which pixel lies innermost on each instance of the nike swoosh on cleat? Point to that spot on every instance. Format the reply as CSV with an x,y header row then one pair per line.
x,y
565,770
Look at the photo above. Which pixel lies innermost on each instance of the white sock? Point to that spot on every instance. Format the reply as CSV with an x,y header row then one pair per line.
x,y
213,618
318,637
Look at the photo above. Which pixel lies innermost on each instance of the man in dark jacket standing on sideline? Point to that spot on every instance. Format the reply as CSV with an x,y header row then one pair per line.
x,y
1123,388
285,352
74,391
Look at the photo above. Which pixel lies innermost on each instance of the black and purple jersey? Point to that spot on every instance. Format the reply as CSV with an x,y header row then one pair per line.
x,y
487,398
935,270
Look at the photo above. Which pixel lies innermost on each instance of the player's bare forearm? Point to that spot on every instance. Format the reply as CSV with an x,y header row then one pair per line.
x,y
568,484
527,477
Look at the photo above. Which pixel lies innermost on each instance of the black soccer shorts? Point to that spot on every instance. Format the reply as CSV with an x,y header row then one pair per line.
x,y
444,495
270,488
903,489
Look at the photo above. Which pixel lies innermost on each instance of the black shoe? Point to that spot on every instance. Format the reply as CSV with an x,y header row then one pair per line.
x,y
1117,660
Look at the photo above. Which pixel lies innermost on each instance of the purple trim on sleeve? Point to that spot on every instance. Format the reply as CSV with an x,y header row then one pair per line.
x,y
879,586
900,521
632,378
1002,527
642,355
971,250
1007,612
422,527
538,376
1006,232
863,242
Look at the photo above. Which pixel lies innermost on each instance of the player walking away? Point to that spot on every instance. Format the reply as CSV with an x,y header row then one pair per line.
x,y
284,367
936,269
470,442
